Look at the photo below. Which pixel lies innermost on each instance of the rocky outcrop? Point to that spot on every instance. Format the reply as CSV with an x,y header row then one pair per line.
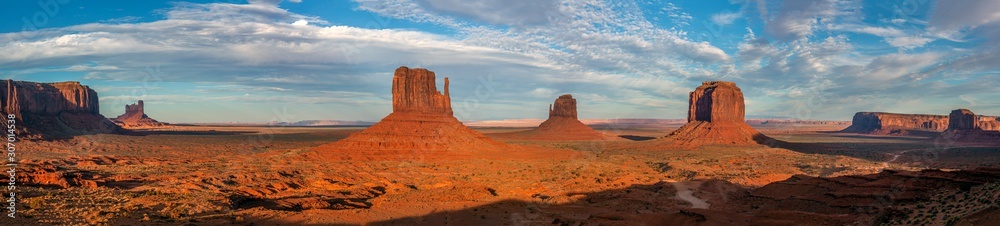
x,y
988,123
964,126
883,195
962,119
564,107
421,126
716,101
135,117
562,124
415,91
716,116
883,123
54,110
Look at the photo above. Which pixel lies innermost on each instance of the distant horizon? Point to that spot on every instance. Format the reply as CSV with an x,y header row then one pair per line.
x,y
488,120
849,118
103,110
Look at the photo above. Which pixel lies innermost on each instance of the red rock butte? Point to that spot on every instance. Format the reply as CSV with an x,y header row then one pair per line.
x,y
883,123
54,110
415,91
135,117
988,123
962,119
421,125
562,124
967,127
716,116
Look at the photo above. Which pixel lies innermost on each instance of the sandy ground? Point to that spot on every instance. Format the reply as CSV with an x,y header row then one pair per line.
x,y
259,175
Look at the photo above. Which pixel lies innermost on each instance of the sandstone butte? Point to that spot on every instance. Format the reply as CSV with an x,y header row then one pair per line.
x,y
967,127
420,126
135,117
54,110
562,124
716,116
883,123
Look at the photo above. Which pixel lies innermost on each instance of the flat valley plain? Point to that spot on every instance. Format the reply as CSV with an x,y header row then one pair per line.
x,y
211,175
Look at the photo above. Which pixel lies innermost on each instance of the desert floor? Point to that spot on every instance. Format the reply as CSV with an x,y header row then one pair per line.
x,y
264,175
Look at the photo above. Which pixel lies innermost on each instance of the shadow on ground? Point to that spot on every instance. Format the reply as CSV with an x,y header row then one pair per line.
x,y
636,138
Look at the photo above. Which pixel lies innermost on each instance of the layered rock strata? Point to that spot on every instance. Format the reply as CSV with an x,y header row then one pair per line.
x,y
883,123
421,125
135,117
54,110
964,126
716,116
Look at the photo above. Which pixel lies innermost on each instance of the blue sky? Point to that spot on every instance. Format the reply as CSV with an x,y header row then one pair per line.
x,y
269,60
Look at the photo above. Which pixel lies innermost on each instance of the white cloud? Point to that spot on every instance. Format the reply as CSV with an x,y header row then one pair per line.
x,y
406,9
262,11
877,31
952,19
515,13
613,52
676,14
895,37
798,19
543,92
607,52
120,20
893,66
81,67
574,27
725,18
908,42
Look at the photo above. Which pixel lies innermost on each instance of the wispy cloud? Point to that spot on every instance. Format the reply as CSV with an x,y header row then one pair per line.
x,y
640,55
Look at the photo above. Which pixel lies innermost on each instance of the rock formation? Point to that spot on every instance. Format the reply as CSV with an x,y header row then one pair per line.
x,y
883,123
965,127
54,110
415,91
135,117
716,101
962,119
562,124
421,125
988,123
716,116
563,107
882,195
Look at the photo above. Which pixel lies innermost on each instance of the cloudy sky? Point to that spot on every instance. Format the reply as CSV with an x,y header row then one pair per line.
x,y
272,60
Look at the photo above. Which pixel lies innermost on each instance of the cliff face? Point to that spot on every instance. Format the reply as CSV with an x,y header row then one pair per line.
x,y
414,90
49,98
421,125
965,127
716,101
135,117
54,110
135,110
716,116
962,119
564,106
895,124
988,123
